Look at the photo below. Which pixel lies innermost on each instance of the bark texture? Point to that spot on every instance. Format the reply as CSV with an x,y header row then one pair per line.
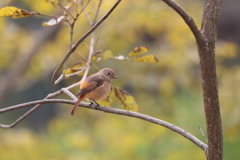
x,y
206,50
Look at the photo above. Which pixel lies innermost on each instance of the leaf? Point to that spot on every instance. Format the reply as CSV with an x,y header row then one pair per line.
x,y
148,59
14,12
138,51
69,5
96,55
53,22
77,67
106,55
127,100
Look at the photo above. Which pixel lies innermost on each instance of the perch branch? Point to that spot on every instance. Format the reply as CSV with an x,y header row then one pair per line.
x,y
144,117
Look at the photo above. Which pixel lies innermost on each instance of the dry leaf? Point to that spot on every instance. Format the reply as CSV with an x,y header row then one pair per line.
x,y
138,51
14,12
148,59
127,100
75,68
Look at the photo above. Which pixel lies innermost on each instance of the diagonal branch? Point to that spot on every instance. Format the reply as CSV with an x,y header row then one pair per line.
x,y
144,117
74,47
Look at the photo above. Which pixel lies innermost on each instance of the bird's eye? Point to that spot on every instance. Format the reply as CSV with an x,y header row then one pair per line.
x,y
108,73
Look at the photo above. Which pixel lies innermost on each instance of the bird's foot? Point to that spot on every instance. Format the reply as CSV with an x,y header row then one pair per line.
x,y
94,104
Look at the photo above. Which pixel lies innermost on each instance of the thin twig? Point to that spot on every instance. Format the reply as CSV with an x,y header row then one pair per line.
x,y
92,44
98,9
202,132
81,40
71,24
66,10
67,92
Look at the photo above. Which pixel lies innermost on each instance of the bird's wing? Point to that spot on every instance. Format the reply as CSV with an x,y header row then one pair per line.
x,y
90,84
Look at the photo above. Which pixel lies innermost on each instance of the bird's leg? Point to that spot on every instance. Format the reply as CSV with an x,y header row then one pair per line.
x,y
94,102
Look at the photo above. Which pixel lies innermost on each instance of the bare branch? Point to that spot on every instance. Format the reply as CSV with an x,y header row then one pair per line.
x,y
81,40
165,124
23,105
98,8
144,117
67,92
186,17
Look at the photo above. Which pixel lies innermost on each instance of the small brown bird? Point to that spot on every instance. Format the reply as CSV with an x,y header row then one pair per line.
x,y
95,87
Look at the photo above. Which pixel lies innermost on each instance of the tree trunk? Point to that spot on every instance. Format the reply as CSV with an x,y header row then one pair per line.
x,y
206,50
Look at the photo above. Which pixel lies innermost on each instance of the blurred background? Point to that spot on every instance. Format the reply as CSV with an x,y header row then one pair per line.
x,y
169,90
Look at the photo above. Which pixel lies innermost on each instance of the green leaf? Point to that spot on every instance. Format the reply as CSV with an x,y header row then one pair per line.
x,y
148,59
14,12
127,100
138,51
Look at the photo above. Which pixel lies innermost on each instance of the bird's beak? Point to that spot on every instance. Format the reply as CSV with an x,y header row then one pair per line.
x,y
115,77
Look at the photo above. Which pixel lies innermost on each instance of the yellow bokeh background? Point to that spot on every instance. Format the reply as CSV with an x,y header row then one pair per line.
x,y
169,90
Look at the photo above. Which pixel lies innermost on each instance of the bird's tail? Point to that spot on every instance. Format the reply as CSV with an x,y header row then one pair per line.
x,y
76,104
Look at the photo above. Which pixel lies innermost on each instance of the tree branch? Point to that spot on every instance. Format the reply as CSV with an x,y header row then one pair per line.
x,y
144,117
74,47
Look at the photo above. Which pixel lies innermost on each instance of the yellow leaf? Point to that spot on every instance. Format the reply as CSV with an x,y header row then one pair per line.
x,y
14,12
137,51
148,59
77,67
96,55
106,55
69,5
127,100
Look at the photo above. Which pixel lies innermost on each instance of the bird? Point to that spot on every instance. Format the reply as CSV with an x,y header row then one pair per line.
x,y
95,87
